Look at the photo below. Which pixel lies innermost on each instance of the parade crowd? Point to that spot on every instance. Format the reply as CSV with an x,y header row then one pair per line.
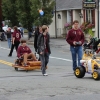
x,y
41,45
75,38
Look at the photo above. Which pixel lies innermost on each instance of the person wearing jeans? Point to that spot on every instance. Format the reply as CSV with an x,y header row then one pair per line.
x,y
43,48
8,33
75,38
76,51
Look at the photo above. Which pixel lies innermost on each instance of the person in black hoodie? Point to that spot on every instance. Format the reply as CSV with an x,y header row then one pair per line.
x,y
43,48
38,31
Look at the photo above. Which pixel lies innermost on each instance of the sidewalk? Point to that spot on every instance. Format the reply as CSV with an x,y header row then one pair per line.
x,y
59,42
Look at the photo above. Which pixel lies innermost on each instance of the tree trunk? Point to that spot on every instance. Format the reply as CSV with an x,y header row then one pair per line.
x,y
0,15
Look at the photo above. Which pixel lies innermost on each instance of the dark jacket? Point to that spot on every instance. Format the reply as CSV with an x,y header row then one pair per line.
x,y
41,45
36,35
8,34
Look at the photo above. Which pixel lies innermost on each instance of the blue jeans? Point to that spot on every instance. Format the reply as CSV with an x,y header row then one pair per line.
x,y
76,51
9,42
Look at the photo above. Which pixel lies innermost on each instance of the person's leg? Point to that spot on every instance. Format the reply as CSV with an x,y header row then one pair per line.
x,y
25,59
28,35
11,50
32,56
46,59
73,52
42,63
22,34
9,42
79,52
16,45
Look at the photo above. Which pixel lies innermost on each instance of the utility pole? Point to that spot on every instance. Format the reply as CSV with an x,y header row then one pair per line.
x,y
98,17
0,15
55,21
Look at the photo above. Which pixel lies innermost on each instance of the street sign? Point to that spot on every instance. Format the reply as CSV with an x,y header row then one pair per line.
x,y
89,4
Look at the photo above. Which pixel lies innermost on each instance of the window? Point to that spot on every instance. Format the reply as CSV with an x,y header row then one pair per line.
x,y
90,16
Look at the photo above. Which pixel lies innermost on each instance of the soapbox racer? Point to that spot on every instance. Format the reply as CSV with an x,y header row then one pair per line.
x,y
31,65
90,64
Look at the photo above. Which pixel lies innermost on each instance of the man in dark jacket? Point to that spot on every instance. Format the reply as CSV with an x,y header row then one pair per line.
x,y
38,31
75,38
44,48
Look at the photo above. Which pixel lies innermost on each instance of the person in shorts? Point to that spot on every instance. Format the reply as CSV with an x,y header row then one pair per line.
x,y
25,52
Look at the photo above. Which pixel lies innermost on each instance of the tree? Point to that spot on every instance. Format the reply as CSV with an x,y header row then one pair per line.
x,y
24,13
47,6
9,11
0,15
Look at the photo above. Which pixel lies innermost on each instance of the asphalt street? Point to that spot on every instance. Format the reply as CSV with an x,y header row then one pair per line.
x,y
60,84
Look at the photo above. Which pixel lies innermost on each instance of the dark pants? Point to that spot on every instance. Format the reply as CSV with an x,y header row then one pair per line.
x,y
44,60
15,45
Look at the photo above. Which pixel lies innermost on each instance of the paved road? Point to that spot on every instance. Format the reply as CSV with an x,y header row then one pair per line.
x,y
61,84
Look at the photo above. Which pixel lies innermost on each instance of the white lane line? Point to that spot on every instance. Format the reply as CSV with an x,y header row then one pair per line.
x,y
50,56
61,59
4,48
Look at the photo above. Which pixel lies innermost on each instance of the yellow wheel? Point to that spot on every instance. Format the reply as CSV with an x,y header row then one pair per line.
x,y
77,71
80,72
96,75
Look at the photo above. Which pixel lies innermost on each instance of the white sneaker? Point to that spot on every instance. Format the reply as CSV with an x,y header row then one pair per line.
x,y
45,74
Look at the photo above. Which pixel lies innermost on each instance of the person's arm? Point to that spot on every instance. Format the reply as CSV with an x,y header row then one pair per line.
x,y
48,37
13,37
38,44
68,38
35,41
19,36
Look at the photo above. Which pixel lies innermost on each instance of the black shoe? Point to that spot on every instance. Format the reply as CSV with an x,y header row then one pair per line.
x,y
9,55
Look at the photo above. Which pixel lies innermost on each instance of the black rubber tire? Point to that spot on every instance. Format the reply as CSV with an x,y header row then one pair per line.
x,y
98,75
81,72
26,70
16,68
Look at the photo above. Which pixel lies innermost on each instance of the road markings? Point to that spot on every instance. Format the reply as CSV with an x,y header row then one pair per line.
x,y
61,59
6,63
50,56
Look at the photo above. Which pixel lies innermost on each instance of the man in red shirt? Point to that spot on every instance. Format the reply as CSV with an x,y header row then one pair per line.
x,y
25,52
75,38
16,36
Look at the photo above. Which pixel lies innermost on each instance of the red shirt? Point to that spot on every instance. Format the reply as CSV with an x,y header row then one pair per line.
x,y
75,35
16,35
23,49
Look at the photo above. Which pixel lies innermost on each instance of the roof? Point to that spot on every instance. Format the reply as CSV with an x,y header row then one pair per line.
x,y
68,4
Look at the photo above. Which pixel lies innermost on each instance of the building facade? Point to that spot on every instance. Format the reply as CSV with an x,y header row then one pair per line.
x,y
69,10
